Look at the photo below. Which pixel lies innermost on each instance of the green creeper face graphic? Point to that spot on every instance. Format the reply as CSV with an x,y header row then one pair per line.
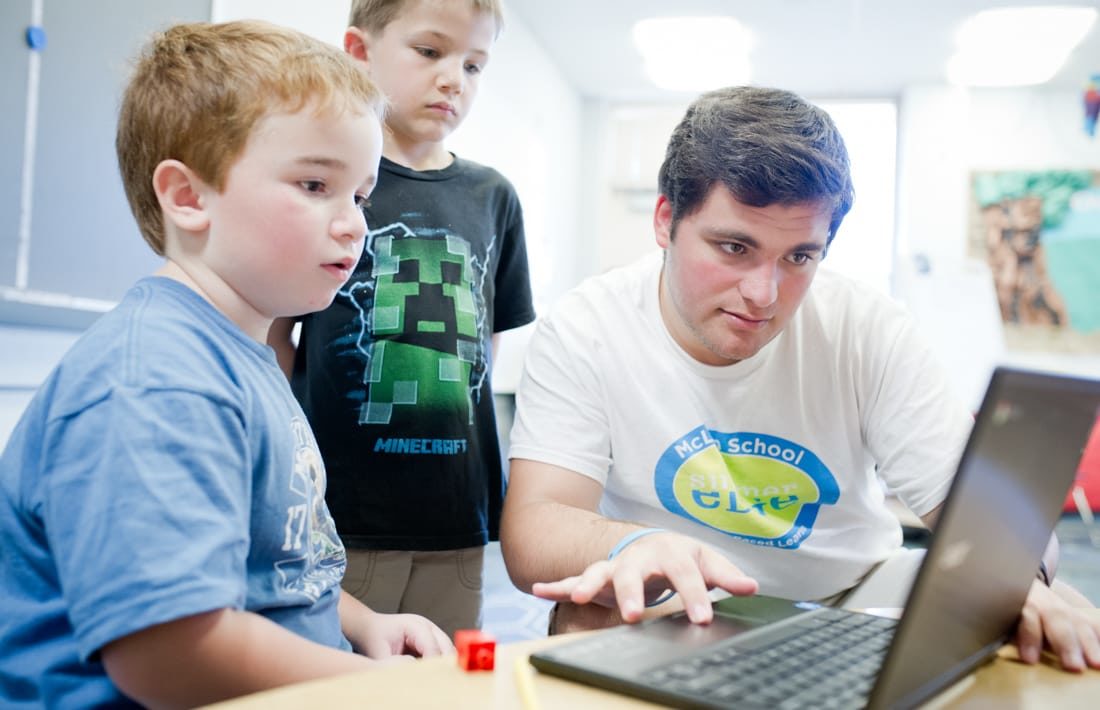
x,y
425,330
423,286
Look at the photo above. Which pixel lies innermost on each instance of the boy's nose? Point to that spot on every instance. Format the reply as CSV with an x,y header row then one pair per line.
x,y
452,77
351,224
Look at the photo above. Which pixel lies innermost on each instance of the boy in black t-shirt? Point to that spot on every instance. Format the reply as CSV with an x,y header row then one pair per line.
x,y
395,375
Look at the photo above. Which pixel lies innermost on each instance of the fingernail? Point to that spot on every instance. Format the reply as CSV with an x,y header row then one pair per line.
x,y
700,613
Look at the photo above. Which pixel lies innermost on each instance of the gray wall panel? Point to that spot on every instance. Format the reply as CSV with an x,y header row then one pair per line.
x,y
15,16
84,240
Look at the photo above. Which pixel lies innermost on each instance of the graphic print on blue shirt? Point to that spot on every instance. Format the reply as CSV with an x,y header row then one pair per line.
x,y
422,329
755,487
318,560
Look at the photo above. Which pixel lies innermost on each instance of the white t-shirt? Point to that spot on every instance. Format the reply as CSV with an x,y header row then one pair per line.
x,y
772,460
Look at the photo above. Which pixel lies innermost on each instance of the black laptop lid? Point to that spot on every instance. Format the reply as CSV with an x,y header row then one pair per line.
x,y
1019,463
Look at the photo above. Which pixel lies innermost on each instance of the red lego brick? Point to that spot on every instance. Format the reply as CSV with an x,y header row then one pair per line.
x,y
476,650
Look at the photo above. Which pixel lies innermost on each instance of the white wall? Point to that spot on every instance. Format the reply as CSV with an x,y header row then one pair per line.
x,y
526,123
325,20
555,148
944,134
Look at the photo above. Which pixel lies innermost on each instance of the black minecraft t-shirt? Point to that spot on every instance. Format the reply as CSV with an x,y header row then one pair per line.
x,y
394,375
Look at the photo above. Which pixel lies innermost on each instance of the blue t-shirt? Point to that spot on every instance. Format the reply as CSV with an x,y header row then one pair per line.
x,y
163,469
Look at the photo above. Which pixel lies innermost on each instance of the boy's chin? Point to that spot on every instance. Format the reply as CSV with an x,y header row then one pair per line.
x,y
312,307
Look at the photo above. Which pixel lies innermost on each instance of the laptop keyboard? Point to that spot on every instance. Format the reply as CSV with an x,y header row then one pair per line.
x,y
828,659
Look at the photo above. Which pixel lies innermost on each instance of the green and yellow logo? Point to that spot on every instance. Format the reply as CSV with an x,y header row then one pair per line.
x,y
755,487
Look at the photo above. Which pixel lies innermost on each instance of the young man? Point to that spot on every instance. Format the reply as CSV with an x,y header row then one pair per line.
x,y
166,539
722,417
395,375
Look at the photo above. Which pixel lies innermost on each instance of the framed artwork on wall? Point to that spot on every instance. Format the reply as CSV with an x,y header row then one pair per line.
x,y
1039,231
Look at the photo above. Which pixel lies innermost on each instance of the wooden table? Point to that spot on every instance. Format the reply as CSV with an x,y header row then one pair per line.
x,y
439,683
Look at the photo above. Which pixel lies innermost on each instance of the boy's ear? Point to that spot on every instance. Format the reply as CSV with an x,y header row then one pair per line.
x,y
179,192
357,44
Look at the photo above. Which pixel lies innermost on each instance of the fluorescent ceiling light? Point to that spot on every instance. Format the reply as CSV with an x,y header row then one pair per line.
x,y
1017,46
694,53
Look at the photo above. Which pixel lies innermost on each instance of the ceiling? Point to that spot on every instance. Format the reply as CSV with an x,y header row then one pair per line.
x,y
820,48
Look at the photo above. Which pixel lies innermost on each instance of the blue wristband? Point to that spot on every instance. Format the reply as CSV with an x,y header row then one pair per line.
x,y
631,537
669,594
1044,574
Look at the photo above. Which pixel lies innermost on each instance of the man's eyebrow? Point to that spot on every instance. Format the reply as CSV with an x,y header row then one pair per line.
x,y
751,242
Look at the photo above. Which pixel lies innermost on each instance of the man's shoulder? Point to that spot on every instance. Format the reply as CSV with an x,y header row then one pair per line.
x,y
616,293
844,295
841,308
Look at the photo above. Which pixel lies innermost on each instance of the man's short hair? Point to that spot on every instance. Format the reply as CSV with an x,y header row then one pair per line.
x,y
198,90
767,146
374,15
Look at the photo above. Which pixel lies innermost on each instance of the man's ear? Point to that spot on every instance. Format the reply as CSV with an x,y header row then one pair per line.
x,y
179,192
662,222
357,44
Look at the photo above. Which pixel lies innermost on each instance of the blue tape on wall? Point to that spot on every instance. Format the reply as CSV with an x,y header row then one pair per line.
x,y
36,38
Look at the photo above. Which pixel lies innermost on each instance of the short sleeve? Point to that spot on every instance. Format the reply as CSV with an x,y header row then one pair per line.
x,y
916,428
561,418
512,301
145,506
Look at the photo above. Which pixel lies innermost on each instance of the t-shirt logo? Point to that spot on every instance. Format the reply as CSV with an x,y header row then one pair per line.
x,y
423,328
755,487
316,559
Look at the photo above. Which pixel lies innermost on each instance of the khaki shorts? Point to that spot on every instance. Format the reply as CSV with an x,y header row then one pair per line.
x,y
444,586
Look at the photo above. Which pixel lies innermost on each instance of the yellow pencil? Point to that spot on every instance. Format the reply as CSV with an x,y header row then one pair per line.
x,y
525,683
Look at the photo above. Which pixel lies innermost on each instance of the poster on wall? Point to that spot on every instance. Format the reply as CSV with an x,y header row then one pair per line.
x,y
1039,231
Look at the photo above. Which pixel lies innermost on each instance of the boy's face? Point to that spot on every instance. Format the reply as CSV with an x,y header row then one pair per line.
x,y
287,229
428,62
734,275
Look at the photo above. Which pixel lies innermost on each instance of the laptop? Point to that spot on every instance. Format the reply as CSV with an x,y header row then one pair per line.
x,y
1012,480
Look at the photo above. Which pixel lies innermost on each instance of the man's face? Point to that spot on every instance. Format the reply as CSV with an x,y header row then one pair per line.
x,y
734,274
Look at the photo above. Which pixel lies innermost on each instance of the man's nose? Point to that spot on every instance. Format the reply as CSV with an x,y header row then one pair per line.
x,y
761,286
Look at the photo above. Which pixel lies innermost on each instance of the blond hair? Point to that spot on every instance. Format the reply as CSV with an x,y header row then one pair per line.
x,y
198,90
374,15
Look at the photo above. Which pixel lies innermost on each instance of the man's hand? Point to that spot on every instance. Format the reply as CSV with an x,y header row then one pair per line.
x,y
1071,635
645,569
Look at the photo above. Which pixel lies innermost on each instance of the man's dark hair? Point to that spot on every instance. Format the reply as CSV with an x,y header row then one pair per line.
x,y
767,146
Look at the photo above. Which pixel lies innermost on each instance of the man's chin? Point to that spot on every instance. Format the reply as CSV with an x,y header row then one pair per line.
x,y
741,351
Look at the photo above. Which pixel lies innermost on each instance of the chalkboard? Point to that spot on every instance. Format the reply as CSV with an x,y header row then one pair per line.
x,y
82,249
